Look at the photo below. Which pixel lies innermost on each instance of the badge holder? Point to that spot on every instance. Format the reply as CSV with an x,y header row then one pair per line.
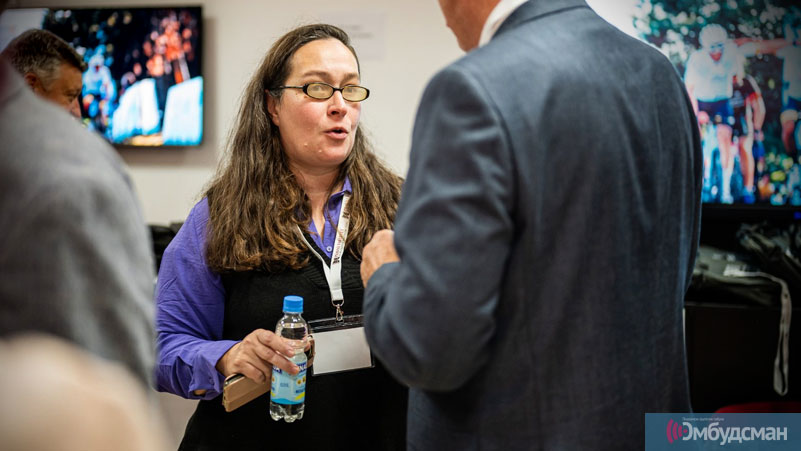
x,y
340,346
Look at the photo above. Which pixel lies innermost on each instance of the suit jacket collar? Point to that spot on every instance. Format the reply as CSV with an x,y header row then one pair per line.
x,y
534,9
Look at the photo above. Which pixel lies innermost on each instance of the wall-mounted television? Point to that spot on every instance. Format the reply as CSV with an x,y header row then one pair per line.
x,y
144,82
741,63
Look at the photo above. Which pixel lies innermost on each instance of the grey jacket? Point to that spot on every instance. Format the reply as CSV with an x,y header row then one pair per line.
x,y
547,232
75,256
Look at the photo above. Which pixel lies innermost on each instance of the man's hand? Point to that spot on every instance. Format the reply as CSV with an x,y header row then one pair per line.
x,y
380,250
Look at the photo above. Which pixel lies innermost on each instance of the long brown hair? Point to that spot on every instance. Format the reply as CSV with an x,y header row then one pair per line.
x,y
255,201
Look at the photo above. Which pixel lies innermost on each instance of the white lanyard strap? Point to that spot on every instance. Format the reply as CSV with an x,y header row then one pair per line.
x,y
781,364
333,274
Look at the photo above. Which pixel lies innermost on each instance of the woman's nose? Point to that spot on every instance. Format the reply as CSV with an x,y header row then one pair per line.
x,y
337,104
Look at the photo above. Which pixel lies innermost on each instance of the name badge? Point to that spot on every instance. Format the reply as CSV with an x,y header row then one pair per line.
x,y
340,345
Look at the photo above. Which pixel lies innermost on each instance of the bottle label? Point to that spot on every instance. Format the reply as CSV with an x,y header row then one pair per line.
x,y
286,388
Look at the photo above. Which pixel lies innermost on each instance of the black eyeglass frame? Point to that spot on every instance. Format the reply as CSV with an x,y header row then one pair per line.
x,y
305,89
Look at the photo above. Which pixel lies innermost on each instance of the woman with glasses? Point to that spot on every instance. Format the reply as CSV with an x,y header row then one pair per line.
x,y
288,214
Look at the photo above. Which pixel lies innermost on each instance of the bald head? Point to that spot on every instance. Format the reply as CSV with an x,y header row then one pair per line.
x,y
50,66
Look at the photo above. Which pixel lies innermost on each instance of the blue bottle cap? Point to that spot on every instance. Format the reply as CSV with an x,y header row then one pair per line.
x,y
293,304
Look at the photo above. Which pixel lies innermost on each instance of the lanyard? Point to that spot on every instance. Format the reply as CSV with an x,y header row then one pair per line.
x,y
781,365
333,274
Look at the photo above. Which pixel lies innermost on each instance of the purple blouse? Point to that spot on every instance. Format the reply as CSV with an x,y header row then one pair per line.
x,y
190,304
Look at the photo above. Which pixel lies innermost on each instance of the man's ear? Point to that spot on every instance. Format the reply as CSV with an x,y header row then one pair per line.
x,y
272,110
34,82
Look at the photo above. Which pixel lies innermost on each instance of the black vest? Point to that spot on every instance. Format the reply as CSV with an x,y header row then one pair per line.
x,y
363,409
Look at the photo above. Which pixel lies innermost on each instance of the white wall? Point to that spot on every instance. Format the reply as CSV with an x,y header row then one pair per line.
x,y
413,43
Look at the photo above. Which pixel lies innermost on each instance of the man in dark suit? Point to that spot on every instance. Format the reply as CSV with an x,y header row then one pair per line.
x,y
545,237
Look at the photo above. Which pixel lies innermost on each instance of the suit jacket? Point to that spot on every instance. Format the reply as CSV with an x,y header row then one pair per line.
x,y
75,255
547,233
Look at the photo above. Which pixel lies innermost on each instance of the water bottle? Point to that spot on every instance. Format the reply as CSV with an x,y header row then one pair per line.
x,y
287,391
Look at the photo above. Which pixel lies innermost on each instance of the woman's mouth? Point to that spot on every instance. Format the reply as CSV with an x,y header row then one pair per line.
x,y
337,133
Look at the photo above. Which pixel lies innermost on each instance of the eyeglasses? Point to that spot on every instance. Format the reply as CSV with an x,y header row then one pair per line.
x,y
322,91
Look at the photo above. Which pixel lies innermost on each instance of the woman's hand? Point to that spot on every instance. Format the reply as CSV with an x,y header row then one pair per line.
x,y
256,354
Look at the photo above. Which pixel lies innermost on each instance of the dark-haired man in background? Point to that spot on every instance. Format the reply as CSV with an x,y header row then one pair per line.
x,y
50,66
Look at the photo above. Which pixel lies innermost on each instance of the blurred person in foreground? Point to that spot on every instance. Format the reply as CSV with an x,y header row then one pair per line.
x,y
49,65
57,396
75,254
535,297
274,222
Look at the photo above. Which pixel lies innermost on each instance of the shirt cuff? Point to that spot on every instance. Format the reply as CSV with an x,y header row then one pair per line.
x,y
205,375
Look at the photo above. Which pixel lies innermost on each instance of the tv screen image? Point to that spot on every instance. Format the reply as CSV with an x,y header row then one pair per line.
x,y
143,85
741,63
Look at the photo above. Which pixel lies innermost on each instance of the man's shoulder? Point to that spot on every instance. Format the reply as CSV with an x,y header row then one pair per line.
x,y
553,48
485,66
48,155
48,141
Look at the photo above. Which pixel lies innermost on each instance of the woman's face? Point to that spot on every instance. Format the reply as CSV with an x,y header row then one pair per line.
x,y
317,135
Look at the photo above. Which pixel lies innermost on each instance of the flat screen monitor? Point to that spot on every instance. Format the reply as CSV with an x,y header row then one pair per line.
x,y
741,63
143,85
